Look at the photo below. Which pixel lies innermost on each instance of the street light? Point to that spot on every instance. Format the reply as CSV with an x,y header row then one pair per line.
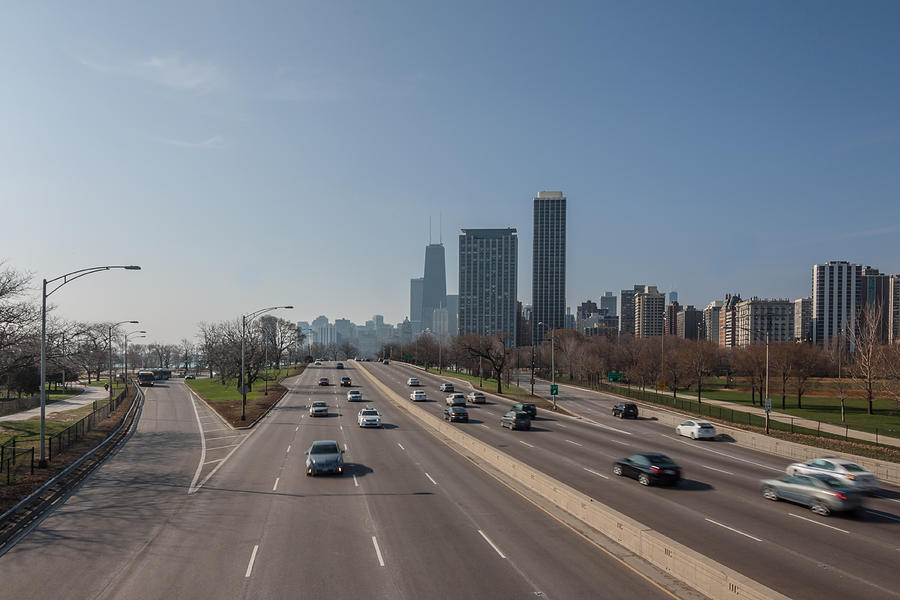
x,y
109,343
125,353
244,319
72,276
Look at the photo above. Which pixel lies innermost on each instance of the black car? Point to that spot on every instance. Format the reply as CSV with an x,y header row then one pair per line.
x,y
526,407
339,366
649,468
456,413
516,419
625,410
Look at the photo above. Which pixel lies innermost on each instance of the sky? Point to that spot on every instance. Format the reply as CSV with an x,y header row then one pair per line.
x,y
248,155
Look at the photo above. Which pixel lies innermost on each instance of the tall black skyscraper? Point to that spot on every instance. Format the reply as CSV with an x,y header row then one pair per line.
x,y
548,274
434,291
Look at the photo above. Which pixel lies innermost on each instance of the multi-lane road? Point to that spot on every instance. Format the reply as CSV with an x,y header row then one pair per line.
x,y
190,508
717,510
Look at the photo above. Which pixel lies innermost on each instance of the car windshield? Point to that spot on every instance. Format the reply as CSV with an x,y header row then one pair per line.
x,y
830,481
331,448
318,404
370,413
458,409
706,426
853,468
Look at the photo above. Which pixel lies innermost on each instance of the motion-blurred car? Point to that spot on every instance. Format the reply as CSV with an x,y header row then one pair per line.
x,y
324,456
189,376
323,381
369,417
318,363
412,381
516,419
649,468
526,407
475,397
385,362
823,494
418,396
456,413
850,473
354,396
339,365
446,387
456,399
345,382
696,430
318,409
625,410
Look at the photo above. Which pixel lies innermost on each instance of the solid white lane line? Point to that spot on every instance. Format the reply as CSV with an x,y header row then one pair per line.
x,y
526,443
488,540
401,446
377,551
210,462
561,425
576,443
225,437
878,513
715,469
288,450
252,560
219,429
355,482
623,443
734,530
817,523
430,479
220,447
596,473
275,487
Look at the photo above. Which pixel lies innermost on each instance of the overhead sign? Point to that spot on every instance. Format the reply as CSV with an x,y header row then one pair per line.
x,y
554,390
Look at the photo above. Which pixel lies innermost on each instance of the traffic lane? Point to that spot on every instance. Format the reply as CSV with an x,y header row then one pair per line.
x,y
116,512
692,527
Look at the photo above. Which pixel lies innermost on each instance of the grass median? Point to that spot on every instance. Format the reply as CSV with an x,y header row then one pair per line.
x,y
225,398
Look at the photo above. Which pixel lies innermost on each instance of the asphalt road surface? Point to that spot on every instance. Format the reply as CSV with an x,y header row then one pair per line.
x,y
191,509
717,510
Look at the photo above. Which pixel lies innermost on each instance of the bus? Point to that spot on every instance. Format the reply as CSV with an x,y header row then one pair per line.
x,y
145,378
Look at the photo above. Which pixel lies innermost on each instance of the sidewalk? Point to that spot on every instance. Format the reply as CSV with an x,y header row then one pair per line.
x,y
88,396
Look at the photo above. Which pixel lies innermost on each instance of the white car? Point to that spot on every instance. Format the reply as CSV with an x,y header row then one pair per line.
x,y
418,396
369,417
475,397
696,430
845,471
456,399
354,396
412,381
318,409
446,387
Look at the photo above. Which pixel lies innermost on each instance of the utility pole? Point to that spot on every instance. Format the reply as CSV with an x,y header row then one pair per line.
x,y
532,368
553,364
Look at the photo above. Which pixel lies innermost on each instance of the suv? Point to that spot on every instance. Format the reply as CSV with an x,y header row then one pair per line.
x,y
526,407
516,419
345,381
625,410
446,387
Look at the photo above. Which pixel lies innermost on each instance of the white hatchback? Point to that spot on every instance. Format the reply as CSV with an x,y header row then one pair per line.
x,y
696,430
418,396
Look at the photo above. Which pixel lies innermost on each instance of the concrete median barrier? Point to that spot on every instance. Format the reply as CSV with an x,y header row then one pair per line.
x,y
696,570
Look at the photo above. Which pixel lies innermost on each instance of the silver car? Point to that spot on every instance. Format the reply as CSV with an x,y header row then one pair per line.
x,y
318,409
324,456
823,494
848,472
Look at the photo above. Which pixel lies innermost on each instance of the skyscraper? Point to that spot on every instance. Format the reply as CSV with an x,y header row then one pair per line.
x,y
488,259
626,309
548,274
608,301
649,312
836,299
434,286
416,291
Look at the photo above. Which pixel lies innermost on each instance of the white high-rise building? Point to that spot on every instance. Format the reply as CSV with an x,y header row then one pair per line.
x,y
836,300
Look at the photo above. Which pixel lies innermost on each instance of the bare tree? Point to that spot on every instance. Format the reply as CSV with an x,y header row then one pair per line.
x,y
186,354
782,359
568,343
490,348
751,362
867,354
700,357
809,361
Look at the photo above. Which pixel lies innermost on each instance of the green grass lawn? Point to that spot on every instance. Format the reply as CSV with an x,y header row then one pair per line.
x,y
212,390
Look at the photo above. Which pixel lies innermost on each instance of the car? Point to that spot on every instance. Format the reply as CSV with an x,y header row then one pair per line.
x,y
456,413
526,407
625,410
846,471
369,417
318,409
318,363
475,397
456,399
354,396
189,376
823,494
385,362
339,365
345,381
412,381
696,430
324,456
446,387
516,419
323,381
418,396
649,468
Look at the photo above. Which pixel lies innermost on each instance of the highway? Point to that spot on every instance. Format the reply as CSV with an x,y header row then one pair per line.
x,y
718,510
410,518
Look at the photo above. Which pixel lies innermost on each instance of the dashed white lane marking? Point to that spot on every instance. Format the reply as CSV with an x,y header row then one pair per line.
x,y
621,442
488,540
483,425
430,479
734,530
878,513
288,449
817,523
275,487
722,453
715,469
526,443
252,560
345,447
297,428
576,443
401,446
596,473
355,482
220,447
377,551
561,425
210,462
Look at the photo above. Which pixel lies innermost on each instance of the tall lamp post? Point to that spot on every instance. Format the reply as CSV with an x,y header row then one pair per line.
x,y
109,346
244,319
59,281
552,361
125,352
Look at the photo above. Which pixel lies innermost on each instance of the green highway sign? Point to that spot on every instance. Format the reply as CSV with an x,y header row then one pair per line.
x,y
554,390
407,356
613,377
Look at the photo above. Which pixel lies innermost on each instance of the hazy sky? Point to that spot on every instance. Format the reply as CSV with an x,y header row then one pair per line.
x,y
251,154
